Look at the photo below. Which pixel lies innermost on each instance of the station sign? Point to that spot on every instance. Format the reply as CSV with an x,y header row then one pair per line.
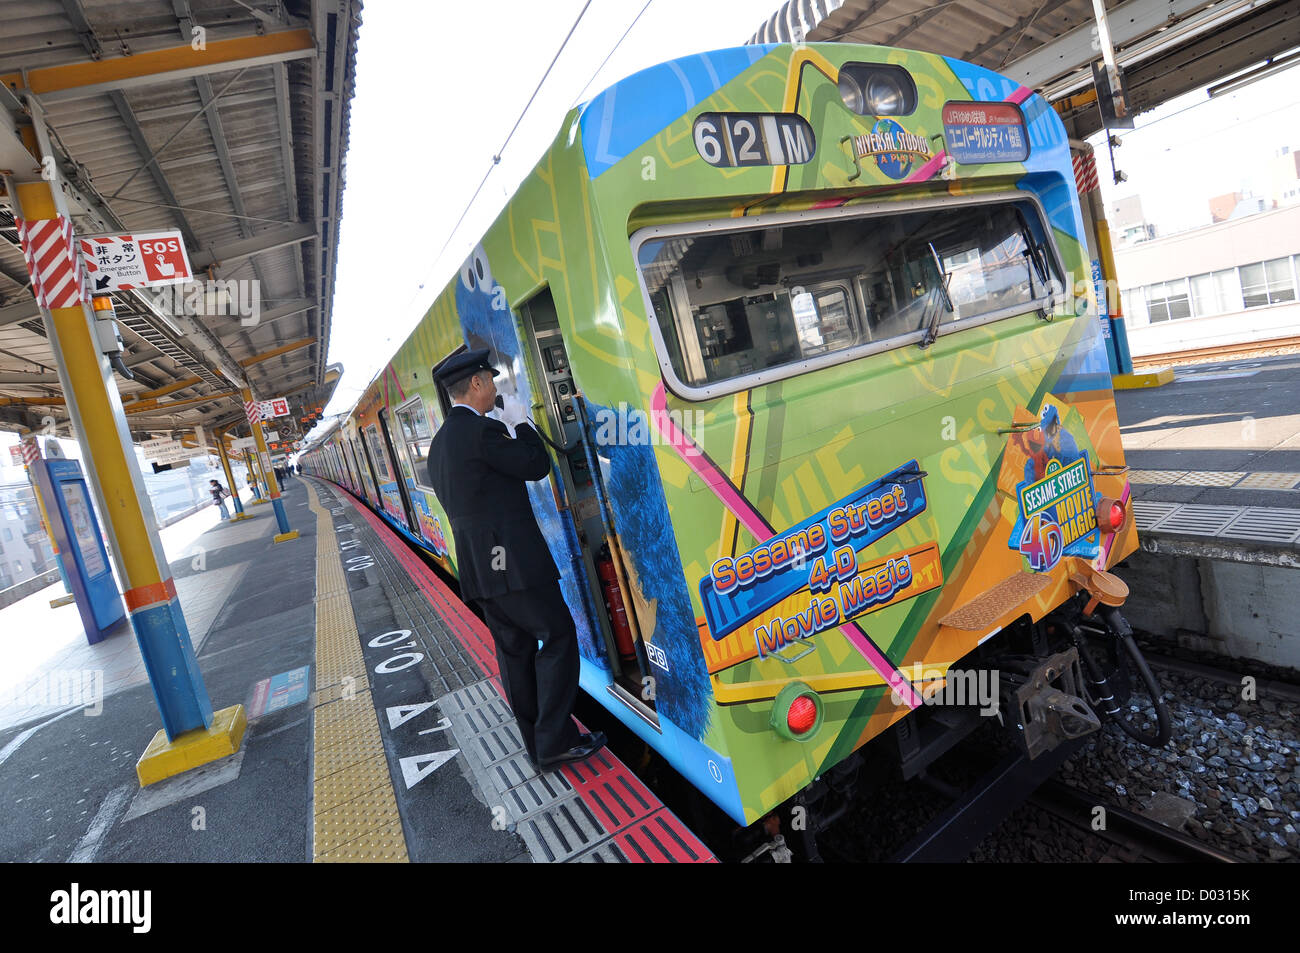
x,y
137,260
163,450
275,407
243,443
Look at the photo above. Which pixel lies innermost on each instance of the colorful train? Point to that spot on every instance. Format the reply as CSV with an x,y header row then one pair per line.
x,y
811,330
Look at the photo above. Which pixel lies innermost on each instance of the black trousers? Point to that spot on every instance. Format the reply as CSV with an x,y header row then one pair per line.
x,y
541,683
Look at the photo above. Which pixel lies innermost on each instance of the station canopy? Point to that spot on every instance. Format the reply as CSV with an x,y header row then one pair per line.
x,y
1164,47
224,120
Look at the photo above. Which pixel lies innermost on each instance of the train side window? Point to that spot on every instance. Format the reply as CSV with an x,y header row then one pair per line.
x,y
377,455
416,434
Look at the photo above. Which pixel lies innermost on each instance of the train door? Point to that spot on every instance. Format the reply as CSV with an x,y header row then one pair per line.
x,y
389,498
369,482
579,498
404,474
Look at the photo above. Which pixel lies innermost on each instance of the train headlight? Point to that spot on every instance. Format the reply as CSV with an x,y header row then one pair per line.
x,y
872,89
797,712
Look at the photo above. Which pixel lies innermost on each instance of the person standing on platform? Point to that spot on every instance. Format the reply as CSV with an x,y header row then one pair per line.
x,y
219,494
480,474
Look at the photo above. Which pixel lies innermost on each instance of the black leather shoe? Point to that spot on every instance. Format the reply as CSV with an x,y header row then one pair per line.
x,y
585,748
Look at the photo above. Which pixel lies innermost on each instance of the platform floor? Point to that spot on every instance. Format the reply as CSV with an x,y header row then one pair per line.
x,y
377,730
1217,452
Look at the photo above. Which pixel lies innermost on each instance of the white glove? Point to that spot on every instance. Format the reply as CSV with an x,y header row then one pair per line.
x,y
513,412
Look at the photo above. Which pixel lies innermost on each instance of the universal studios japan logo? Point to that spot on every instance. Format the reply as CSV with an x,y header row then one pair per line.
x,y
895,150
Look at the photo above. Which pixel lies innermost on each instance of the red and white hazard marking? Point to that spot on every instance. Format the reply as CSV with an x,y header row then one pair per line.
x,y
1085,172
253,411
51,261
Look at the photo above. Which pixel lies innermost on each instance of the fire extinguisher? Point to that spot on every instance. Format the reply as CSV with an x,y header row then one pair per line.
x,y
614,605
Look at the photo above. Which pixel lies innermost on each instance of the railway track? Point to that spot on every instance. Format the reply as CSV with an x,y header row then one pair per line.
x,y
1136,838
1226,352
1271,688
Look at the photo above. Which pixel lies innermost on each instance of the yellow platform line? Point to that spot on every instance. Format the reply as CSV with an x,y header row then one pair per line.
x,y
355,807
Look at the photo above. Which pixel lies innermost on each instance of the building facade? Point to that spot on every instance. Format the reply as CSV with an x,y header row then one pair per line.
x,y
1233,282
24,546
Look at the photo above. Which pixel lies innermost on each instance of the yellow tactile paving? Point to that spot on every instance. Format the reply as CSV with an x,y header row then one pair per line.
x,y
353,781
1210,478
356,818
332,693
373,847
1156,477
329,714
1269,481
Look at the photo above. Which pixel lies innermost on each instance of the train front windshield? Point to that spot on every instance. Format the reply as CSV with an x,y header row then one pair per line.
x,y
759,302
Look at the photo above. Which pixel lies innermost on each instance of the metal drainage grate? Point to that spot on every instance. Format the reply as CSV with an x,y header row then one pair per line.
x,y
1148,513
1194,520
548,813
1266,524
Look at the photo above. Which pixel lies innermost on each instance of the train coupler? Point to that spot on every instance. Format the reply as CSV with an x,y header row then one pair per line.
x,y
1044,698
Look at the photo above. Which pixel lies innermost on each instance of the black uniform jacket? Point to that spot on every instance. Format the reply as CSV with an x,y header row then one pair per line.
x,y
480,476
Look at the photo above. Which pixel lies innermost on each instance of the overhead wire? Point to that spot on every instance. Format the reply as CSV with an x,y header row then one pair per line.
x,y
496,158
612,50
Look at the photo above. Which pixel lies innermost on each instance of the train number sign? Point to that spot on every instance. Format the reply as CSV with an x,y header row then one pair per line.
x,y
739,139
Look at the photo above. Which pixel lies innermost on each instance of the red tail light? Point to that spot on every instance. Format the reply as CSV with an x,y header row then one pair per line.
x,y
1110,515
797,712
802,715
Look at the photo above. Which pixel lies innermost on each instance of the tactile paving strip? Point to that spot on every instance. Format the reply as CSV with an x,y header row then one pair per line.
x,y
356,817
1209,478
1270,481
1156,477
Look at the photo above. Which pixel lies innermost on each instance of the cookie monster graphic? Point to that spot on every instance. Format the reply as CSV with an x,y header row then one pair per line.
x,y
487,321
640,510
484,314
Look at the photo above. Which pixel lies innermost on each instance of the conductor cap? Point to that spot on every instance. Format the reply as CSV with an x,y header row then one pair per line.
x,y
462,365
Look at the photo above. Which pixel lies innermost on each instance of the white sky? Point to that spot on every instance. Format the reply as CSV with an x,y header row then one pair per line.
x,y
1193,148
428,117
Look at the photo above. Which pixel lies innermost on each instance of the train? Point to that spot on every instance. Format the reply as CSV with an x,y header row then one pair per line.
x,y
812,333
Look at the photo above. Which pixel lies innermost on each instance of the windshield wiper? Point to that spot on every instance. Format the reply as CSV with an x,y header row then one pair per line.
x,y
932,326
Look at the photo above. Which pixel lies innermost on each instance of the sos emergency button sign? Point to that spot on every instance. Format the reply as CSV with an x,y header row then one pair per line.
x,y
138,260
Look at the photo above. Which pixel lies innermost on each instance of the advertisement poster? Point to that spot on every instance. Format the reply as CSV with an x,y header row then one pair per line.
x,y
81,517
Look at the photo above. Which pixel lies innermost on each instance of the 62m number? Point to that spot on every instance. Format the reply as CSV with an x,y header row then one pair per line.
x,y
740,139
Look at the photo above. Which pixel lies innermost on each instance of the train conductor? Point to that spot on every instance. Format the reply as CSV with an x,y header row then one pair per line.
x,y
480,474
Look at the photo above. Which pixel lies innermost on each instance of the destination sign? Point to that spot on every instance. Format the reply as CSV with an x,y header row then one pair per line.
x,y
984,132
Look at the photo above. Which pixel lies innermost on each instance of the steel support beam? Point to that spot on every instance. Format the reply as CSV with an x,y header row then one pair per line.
x,y
1163,21
78,80
263,241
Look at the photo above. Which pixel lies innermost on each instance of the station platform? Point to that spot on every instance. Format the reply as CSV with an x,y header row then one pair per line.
x,y
1216,454
377,730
